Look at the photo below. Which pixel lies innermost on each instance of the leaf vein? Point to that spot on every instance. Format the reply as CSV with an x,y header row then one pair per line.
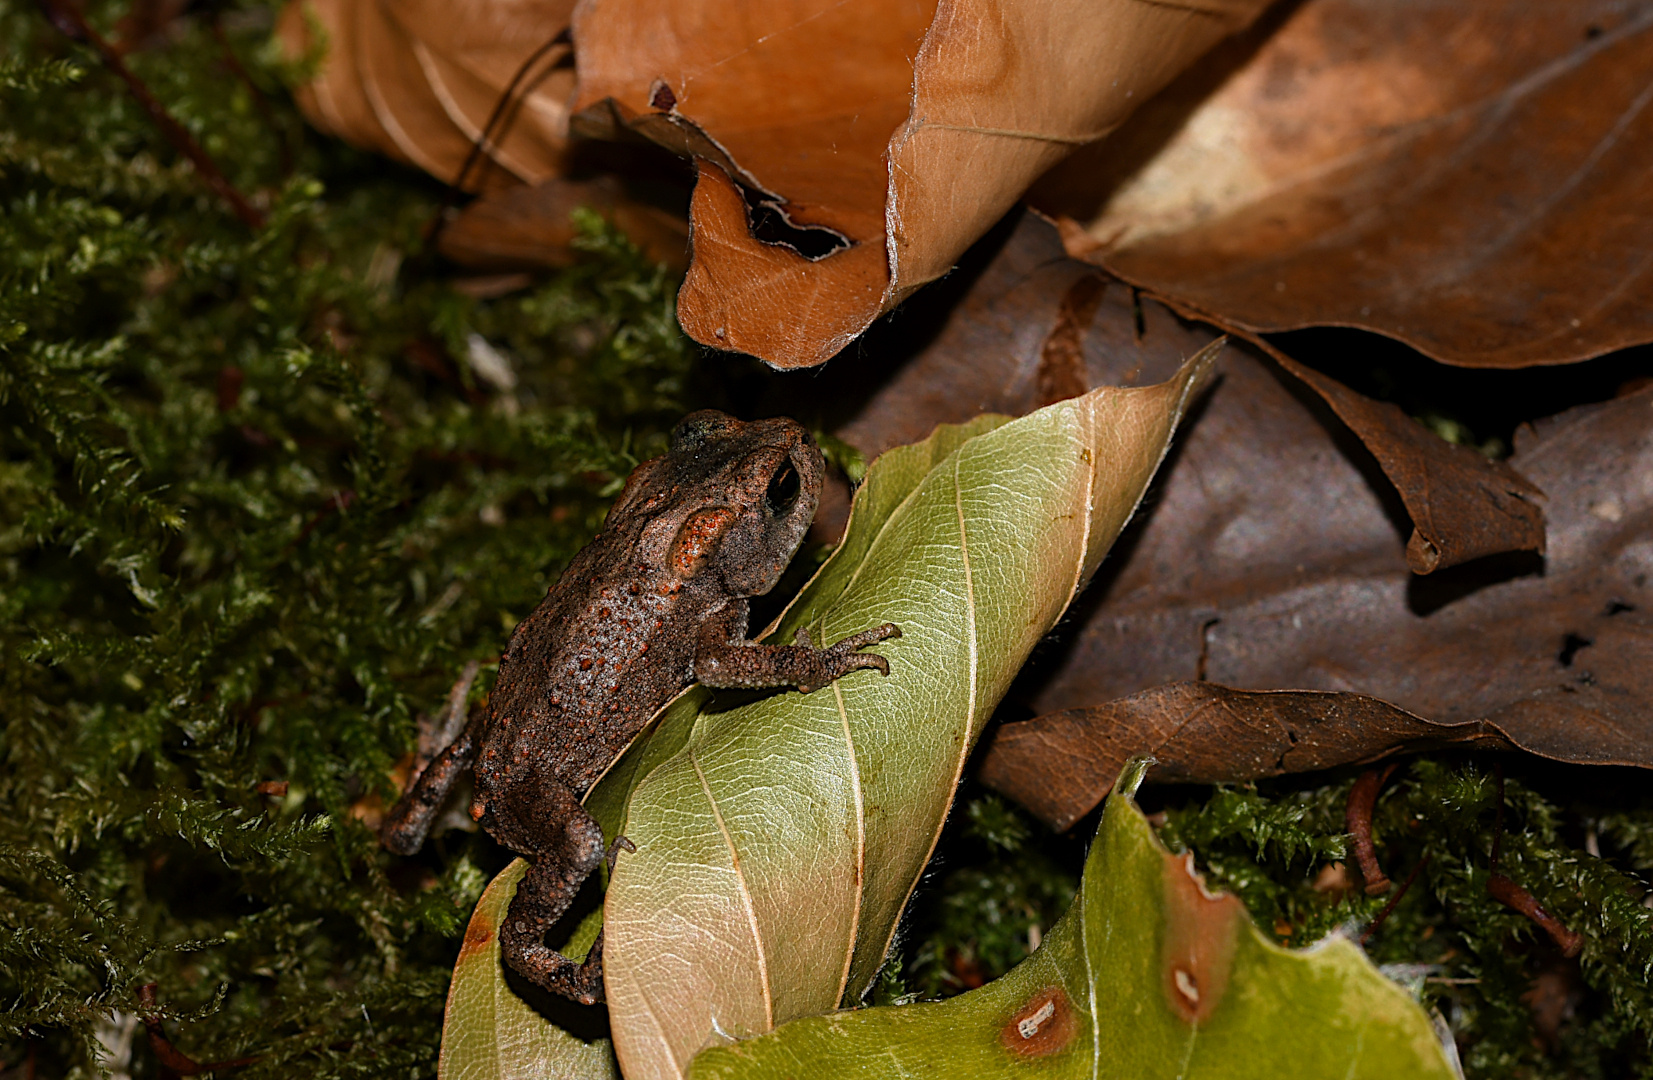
x,y
745,890
860,842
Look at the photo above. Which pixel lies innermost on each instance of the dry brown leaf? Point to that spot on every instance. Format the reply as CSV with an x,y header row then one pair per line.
x,y
1060,766
852,151
1463,507
419,81
1470,178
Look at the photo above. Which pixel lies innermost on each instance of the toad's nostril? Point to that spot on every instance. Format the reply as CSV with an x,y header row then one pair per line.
x,y
783,489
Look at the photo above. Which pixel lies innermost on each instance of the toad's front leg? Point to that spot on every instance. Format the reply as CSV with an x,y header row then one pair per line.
x,y
723,656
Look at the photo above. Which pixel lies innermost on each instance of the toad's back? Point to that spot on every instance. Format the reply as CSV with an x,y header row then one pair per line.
x,y
610,644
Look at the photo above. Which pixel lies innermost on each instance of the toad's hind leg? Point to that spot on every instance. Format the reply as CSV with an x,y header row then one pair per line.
x,y
409,821
565,844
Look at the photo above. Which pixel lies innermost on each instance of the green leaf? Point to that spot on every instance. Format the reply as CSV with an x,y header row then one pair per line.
x,y
1147,975
778,837
492,1034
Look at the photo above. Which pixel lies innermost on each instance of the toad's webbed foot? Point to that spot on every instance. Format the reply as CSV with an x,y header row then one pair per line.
x,y
839,660
723,656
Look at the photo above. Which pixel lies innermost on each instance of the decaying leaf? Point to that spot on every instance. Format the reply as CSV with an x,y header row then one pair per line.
x,y
1463,507
1268,562
1060,766
779,838
1036,324
489,1032
1470,178
1147,975
419,80
852,151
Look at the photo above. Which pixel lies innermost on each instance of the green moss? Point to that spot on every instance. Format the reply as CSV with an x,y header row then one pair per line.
x,y
1478,959
258,510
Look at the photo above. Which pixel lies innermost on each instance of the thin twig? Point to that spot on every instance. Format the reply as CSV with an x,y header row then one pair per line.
x,y
1394,901
63,15
488,136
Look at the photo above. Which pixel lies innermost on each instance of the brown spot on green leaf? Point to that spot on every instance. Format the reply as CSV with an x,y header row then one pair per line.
x,y
477,936
1045,1025
1198,948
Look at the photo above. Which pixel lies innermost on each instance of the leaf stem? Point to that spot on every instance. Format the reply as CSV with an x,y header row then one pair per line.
x,y
1362,801
69,21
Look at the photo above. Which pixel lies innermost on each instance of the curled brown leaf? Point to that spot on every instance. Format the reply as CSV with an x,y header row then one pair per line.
x,y
1061,765
852,151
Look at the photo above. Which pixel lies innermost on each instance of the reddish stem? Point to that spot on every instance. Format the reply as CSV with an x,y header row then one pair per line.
x,y
1362,802
260,102
63,15
1394,901
173,1060
1514,897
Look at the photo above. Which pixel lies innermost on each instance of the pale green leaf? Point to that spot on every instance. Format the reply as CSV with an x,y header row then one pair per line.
x,y
779,836
489,1032
1146,976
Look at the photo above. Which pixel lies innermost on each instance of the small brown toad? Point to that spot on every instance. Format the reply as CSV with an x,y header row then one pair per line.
x,y
656,601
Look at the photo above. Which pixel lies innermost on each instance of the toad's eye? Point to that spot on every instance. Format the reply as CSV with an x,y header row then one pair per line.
x,y
783,489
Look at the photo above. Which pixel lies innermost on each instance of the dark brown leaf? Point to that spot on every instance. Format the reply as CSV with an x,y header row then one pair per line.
x,y
1471,178
1269,563
1060,766
1037,326
1463,506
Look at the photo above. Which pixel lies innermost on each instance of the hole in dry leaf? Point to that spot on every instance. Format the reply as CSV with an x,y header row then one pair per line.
x,y
768,224
1570,646
1617,607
